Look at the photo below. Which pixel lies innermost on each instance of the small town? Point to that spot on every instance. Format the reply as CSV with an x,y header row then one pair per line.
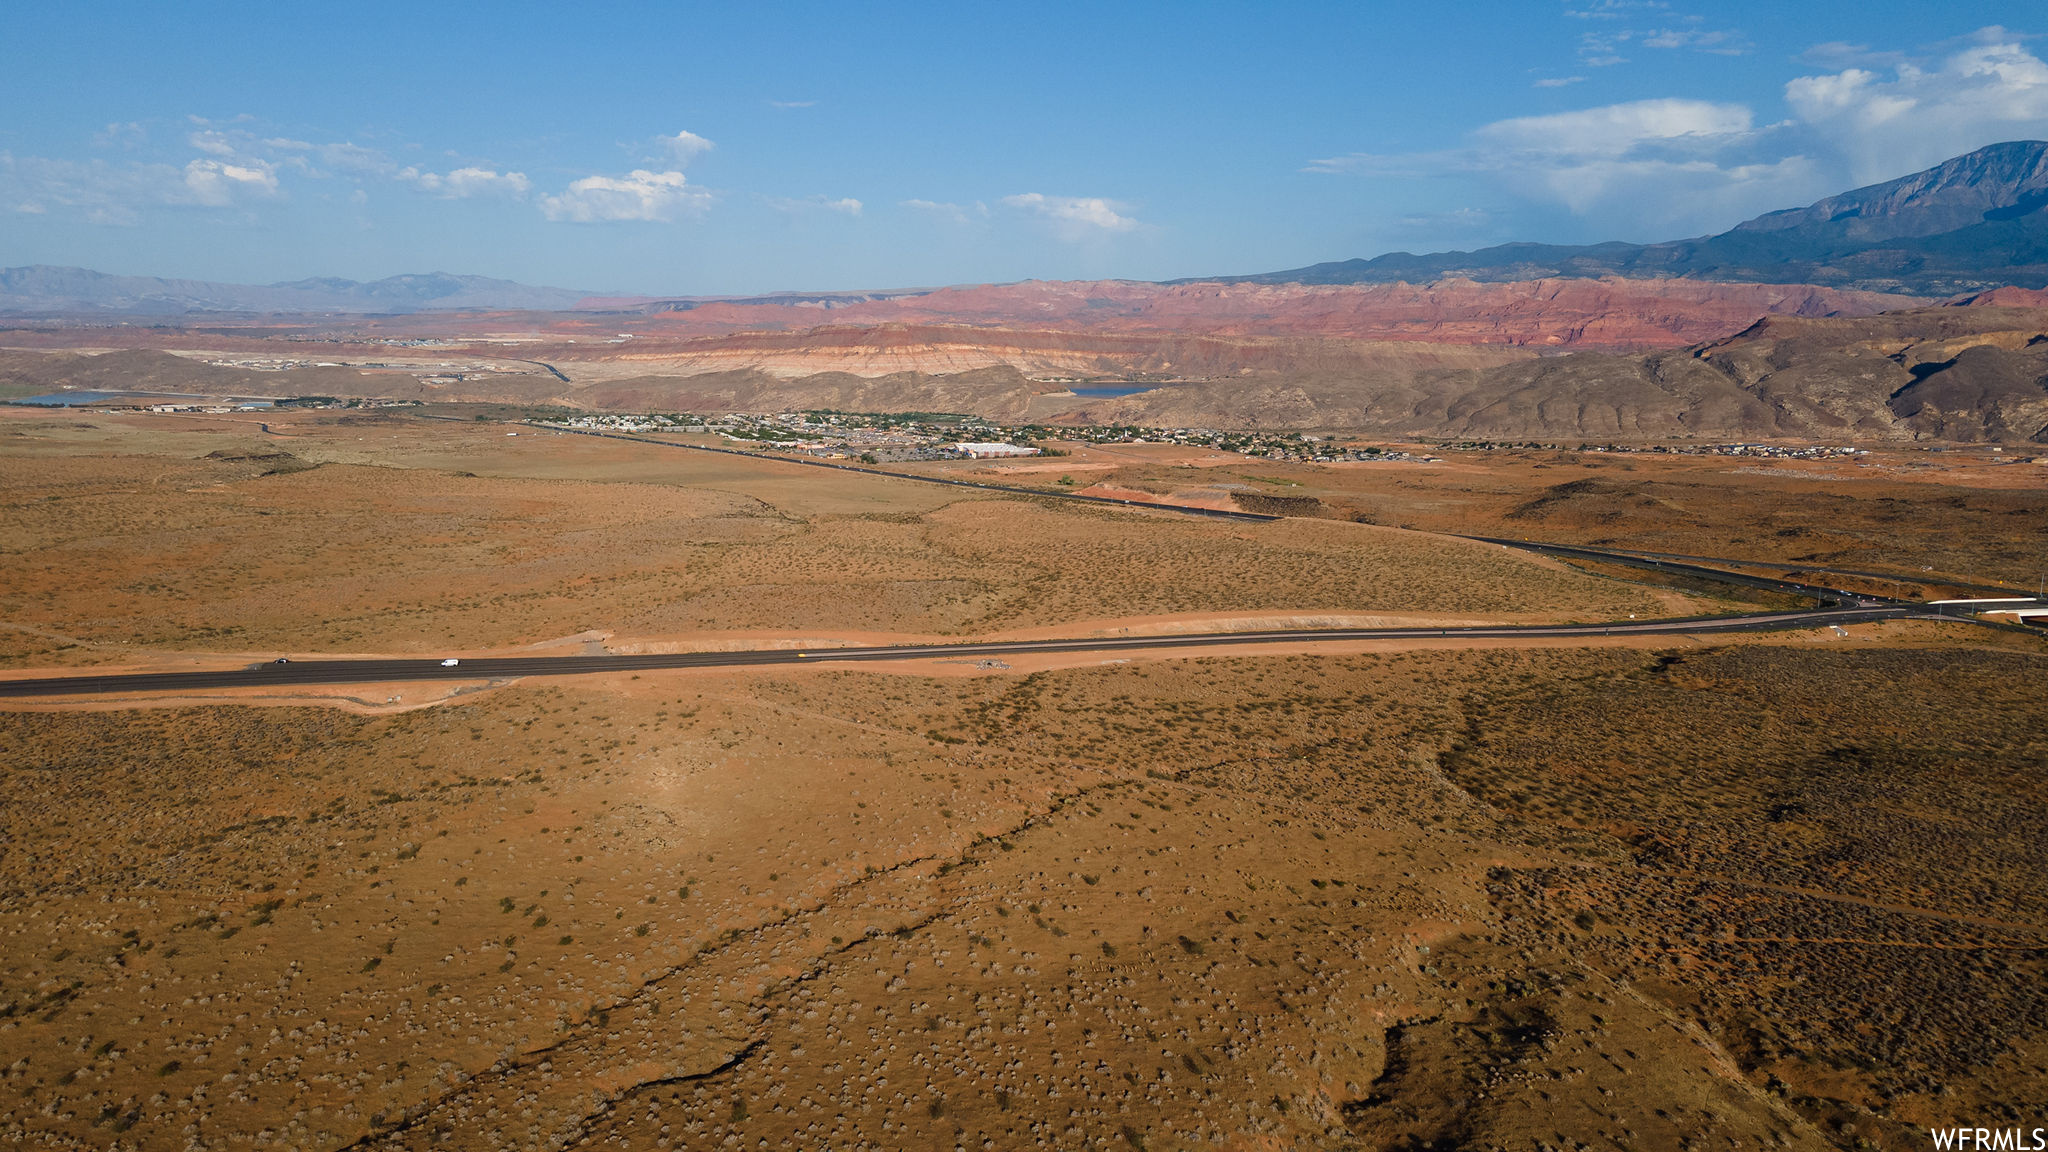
x,y
910,437
1771,451
1137,577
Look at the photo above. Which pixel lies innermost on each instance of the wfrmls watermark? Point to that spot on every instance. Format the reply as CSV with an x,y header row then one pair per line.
x,y
1991,1139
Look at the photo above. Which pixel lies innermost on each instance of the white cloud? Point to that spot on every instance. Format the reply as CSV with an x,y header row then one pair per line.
x,y
1560,81
1909,116
1842,54
844,205
1602,50
465,183
353,161
1650,167
1070,218
241,149
1718,42
234,167
1619,129
1603,158
683,147
104,193
1622,26
1412,165
214,142
1670,167
1074,217
215,184
242,145
128,134
1659,196
952,213
1612,9
639,195
356,160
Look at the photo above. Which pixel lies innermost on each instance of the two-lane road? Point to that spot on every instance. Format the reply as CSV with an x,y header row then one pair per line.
x,y
315,672
1833,607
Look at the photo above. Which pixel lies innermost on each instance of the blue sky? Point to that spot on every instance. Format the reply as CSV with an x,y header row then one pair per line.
x,y
686,149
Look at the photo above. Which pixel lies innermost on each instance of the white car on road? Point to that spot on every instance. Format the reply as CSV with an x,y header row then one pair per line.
x,y
450,662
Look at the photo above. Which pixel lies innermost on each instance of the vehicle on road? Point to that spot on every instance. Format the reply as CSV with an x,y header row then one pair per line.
x,y
282,660
1832,608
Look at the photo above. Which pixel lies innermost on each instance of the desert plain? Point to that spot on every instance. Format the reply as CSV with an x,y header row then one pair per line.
x,y
1783,890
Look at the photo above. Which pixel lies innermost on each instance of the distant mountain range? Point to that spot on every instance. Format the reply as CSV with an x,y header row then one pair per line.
x,y
1975,222
45,289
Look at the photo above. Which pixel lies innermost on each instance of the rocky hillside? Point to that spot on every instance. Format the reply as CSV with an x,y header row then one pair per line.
x,y
1611,313
1955,374
1049,355
1972,373
1958,374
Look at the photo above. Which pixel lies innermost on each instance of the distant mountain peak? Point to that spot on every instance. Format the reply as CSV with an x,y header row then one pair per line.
x,y
1970,224
1998,182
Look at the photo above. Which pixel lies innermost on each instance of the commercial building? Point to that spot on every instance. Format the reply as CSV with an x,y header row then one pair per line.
x,y
989,451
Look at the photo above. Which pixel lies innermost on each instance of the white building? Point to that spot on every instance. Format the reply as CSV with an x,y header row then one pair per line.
x,y
989,451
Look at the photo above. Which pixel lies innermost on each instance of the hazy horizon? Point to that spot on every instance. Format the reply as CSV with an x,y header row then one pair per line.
x,y
687,151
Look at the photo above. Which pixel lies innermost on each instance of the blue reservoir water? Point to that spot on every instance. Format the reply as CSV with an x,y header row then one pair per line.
x,y
87,399
1111,391
61,399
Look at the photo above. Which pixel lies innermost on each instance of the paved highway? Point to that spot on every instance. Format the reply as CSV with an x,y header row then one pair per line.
x,y
1833,607
1826,597
311,672
1650,560
1900,578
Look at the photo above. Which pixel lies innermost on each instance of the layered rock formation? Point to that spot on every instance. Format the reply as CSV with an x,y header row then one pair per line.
x,y
1962,374
1610,313
1949,374
1052,355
